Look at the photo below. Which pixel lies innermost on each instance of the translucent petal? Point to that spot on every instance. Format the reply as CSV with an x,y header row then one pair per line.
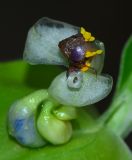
x,y
93,89
42,41
98,61
22,119
74,79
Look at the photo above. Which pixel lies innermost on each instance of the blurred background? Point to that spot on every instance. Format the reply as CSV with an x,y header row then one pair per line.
x,y
109,21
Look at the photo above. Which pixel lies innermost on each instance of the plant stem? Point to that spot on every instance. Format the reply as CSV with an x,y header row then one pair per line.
x,y
119,116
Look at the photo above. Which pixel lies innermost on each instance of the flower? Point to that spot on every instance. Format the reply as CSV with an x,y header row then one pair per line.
x,y
58,43
80,88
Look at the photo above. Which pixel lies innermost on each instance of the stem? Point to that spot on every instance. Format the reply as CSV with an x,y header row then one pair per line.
x,y
119,116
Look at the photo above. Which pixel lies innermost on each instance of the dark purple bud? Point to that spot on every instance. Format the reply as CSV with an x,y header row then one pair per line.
x,y
77,54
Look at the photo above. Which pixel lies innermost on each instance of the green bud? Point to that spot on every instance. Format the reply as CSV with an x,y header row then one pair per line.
x,y
65,113
54,130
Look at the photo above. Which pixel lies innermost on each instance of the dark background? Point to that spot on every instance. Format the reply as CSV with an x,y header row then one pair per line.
x,y
110,21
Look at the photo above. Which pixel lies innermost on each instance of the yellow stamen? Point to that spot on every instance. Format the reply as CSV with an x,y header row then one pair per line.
x,y
88,64
84,69
91,54
82,30
99,51
92,39
87,35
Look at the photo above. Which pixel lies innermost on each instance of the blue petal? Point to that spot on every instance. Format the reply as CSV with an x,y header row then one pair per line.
x,y
18,124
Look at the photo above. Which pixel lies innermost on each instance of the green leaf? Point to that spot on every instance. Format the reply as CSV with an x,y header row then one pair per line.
x,y
118,117
90,140
126,65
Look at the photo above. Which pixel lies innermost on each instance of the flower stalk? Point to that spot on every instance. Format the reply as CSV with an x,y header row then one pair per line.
x,y
118,116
